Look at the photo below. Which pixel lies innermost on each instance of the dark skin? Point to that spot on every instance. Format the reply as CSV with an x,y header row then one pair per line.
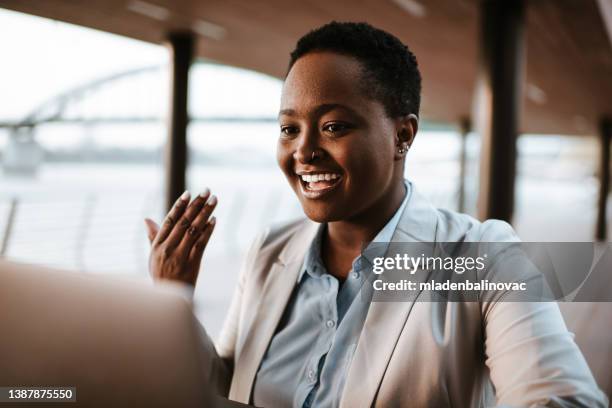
x,y
328,125
178,245
325,111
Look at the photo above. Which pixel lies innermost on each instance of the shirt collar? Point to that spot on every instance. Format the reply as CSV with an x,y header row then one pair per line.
x,y
386,233
313,263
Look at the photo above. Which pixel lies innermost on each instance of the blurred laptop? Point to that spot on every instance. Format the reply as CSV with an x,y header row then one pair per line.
x,y
120,342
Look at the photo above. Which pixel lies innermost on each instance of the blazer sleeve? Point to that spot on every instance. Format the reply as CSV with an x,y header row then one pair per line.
x,y
532,357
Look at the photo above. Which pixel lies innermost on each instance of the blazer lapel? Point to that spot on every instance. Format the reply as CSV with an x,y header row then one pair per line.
x,y
279,285
385,320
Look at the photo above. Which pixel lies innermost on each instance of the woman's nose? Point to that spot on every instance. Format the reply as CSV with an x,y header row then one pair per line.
x,y
306,149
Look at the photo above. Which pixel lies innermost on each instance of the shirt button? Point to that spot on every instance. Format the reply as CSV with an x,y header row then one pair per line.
x,y
355,275
330,323
311,375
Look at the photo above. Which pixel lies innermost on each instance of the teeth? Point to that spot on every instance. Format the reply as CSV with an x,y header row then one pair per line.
x,y
313,178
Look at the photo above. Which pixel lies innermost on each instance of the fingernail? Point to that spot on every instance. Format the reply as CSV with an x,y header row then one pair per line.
x,y
185,195
213,220
205,193
212,200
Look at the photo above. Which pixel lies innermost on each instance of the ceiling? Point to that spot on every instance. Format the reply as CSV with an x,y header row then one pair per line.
x,y
568,77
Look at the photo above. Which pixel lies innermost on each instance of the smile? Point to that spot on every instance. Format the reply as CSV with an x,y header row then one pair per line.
x,y
317,185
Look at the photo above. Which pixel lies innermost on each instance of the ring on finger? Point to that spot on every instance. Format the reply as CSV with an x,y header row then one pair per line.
x,y
192,230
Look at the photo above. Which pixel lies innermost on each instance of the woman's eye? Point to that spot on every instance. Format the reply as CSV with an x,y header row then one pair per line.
x,y
335,127
289,130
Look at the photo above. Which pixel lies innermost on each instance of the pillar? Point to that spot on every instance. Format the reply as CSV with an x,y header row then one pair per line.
x,y
181,47
605,134
498,103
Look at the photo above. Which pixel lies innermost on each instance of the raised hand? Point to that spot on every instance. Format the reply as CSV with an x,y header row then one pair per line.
x,y
177,247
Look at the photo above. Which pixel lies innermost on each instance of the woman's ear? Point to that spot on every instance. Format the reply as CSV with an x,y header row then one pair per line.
x,y
406,130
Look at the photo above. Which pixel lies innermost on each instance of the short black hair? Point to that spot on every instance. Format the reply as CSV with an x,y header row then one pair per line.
x,y
391,71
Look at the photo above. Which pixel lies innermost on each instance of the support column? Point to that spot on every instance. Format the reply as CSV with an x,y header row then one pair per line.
x,y
181,47
605,134
464,129
498,103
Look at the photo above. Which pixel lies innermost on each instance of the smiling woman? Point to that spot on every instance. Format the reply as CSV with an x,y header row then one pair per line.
x,y
329,125
303,329
336,116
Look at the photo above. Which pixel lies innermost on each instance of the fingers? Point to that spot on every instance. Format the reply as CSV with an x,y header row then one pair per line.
x,y
197,226
173,216
197,250
184,223
152,229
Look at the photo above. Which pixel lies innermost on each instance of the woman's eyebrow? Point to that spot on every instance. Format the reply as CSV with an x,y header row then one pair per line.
x,y
321,110
286,112
327,107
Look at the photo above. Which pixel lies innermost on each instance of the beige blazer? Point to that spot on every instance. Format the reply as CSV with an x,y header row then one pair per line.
x,y
417,354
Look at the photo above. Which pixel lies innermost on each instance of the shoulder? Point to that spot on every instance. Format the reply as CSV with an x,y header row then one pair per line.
x,y
276,236
282,241
421,221
453,226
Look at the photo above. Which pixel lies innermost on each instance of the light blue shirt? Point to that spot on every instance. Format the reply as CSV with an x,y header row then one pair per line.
x,y
308,358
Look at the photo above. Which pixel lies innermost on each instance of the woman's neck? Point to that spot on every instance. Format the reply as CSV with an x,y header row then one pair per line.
x,y
364,227
345,239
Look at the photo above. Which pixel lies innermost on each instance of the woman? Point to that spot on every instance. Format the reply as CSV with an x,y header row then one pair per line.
x,y
298,332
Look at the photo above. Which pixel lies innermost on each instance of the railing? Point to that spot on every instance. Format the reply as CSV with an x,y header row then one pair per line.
x,y
107,234
8,228
76,234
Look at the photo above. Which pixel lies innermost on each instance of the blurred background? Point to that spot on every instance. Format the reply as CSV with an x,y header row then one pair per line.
x,y
87,93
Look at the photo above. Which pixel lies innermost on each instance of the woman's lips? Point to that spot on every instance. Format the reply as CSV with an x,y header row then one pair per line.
x,y
318,187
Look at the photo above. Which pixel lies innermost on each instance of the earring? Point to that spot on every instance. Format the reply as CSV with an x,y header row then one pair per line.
x,y
402,149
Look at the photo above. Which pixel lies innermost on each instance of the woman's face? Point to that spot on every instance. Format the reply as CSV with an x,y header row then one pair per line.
x,y
323,110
